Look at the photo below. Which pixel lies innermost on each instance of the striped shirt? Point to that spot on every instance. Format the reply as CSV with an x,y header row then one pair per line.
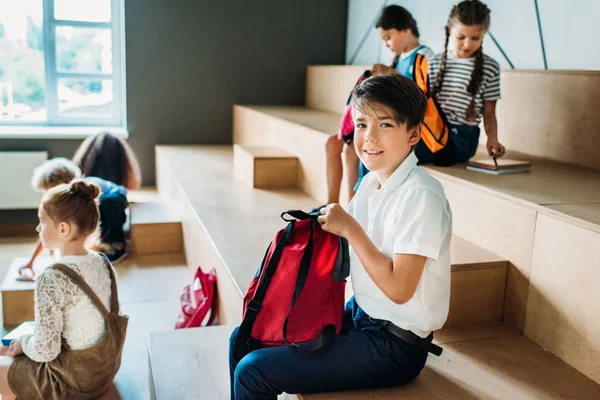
x,y
454,97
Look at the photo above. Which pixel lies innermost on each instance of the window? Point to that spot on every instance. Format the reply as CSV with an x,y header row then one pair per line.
x,y
62,63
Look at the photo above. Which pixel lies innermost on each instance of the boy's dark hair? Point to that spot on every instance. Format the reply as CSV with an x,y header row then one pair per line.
x,y
397,92
398,18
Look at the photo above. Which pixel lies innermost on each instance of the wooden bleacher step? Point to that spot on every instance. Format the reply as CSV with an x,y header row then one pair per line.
x,y
18,296
155,228
485,361
189,363
265,167
299,130
478,284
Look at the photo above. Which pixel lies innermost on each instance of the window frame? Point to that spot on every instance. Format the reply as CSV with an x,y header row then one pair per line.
x,y
51,74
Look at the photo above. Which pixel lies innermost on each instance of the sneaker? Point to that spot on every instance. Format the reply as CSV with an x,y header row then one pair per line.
x,y
116,255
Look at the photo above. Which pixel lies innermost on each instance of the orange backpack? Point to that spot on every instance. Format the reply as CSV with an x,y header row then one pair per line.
x,y
435,132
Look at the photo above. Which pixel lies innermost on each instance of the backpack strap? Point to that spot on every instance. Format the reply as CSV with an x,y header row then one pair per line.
x,y
327,336
302,274
421,73
243,340
114,294
85,288
342,262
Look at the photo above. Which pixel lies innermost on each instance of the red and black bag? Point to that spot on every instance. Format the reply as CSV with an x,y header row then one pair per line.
x,y
297,296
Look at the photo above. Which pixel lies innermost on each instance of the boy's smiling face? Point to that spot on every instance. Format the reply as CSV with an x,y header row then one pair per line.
x,y
380,140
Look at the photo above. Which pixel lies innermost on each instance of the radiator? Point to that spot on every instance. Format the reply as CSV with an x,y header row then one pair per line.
x,y
16,170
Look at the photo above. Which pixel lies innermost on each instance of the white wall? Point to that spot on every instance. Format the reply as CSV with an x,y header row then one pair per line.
x,y
569,30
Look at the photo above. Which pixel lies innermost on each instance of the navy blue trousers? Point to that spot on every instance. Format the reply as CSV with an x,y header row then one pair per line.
x,y
362,357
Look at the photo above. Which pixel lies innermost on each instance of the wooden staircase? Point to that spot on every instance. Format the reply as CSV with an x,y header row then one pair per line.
x,y
525,258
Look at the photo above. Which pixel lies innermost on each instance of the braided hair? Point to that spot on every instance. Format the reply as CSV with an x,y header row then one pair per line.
x,y
467,12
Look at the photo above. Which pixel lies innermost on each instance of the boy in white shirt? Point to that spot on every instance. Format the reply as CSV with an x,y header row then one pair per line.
x,y
399,226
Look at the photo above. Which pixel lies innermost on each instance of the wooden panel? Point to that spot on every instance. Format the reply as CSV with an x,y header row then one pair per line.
x,y
153,213
243,165
468,333
17,296
300,131
548,182
156,238
551,114
508,368
190,363
261,152
466,255
585,215
265,167
155,228
328,86
199,248
14,230
478,285
500,226
275,173
564,302
147,194
477,296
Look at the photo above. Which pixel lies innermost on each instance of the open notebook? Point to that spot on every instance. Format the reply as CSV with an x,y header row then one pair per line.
x,y
505,166
23,329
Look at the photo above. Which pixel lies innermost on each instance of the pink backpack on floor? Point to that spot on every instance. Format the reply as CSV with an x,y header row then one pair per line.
x,y
198,301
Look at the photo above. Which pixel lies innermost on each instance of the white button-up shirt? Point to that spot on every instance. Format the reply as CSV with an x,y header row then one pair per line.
x,y
408,215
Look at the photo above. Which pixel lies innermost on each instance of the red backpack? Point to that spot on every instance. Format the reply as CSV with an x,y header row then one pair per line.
x,y
297,295
198,301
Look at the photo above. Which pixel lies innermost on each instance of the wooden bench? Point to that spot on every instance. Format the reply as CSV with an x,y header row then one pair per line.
x,y
546,224
265,167
155,228
486,361
219,209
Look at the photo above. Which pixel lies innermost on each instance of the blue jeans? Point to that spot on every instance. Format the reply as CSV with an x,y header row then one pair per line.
x,y
362,357
465,139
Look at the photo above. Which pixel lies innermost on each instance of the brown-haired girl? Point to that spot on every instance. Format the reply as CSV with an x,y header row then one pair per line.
x,y
109,157
75,350
466,83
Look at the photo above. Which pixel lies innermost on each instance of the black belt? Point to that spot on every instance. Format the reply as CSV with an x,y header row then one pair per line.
x,y
409,337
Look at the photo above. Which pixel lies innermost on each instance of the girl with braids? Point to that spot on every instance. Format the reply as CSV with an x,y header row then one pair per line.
x,y
466,83
398,29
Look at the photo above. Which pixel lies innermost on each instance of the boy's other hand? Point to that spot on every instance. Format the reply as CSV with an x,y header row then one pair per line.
x,y
383,69
494,148
334,219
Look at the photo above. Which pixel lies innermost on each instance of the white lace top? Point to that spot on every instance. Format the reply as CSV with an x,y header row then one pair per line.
x,y
62,310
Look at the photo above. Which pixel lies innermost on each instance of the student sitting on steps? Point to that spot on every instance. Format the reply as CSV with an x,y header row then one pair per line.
x,y
398,30
466,83
75,350
399,226
113,203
